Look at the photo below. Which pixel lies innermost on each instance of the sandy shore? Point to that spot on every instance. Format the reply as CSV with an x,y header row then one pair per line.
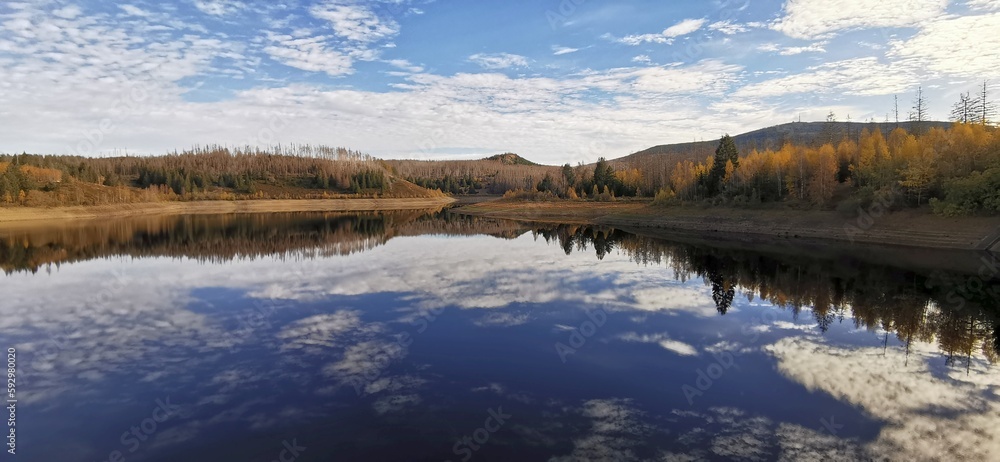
x,y
911,228
9,215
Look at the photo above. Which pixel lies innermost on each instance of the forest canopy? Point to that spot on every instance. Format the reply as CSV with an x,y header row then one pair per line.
x,y
955,170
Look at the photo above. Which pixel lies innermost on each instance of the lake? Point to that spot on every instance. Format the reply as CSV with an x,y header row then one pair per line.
x,y
432,336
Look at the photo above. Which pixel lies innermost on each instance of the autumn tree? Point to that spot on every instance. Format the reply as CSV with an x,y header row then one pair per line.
x,y
917,176
822,174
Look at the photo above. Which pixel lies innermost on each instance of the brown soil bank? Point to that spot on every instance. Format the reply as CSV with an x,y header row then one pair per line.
x,y
912,228
12,215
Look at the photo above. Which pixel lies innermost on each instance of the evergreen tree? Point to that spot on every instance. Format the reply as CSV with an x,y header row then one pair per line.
x,y
569,174
604,173
726,152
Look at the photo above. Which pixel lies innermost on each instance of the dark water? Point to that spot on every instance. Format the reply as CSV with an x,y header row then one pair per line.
x,y
432,337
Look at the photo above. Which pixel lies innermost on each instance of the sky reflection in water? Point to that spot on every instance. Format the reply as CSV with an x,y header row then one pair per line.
x,y
395,336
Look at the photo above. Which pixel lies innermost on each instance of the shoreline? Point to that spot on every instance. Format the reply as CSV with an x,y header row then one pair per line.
x,y
904,229
17,215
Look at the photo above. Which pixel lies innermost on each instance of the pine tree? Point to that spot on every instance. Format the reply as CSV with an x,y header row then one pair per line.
x,y
569,174
726,152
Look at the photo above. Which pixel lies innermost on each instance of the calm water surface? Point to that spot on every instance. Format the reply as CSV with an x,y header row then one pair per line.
x,y
414,336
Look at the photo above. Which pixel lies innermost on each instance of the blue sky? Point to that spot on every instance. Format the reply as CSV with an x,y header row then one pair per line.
x,y
556,81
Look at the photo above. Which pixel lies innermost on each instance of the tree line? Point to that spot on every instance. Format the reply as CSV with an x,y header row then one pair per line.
x,y
912,306
955,170
209,172
486,176
220,238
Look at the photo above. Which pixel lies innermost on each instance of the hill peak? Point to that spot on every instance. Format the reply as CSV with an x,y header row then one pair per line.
x,y
510,158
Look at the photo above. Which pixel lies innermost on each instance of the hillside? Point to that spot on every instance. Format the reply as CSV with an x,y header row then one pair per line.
x,y
492,175
510,159
800,133
210,173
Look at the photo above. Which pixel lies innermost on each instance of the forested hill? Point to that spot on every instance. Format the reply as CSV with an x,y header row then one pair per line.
x,y
798,133
510,159
204,173
492,175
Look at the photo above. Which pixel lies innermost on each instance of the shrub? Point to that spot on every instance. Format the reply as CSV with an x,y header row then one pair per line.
x,y
522,195
849,207
974,194
665,197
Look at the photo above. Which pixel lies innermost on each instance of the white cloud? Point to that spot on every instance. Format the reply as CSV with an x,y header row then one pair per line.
x,y
708,77
928,416
355,22
685,27
325,330
644,38
957,46
219,7
309,54
861,76
616,430
728,27
816,19
818,47
664,341
499,60
559,51
814,48
405,65
642,59
68,12
986,5
132,10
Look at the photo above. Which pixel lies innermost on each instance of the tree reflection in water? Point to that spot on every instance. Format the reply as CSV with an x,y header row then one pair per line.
x,y
957,311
